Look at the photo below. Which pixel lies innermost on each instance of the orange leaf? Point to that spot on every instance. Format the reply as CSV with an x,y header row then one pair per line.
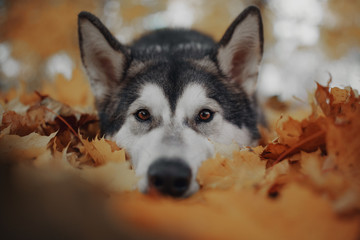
x,y
101,151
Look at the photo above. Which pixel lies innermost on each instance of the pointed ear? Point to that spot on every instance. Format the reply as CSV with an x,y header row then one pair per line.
x,y
240,49
103,57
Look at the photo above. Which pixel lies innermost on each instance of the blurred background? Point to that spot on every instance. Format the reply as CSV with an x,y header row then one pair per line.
x,y
305,41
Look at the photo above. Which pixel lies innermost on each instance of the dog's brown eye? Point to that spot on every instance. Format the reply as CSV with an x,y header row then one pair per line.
x,y
142,115
205,115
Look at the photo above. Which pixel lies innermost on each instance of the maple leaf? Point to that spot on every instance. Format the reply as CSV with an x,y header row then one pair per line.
x,y
337,104
244,170
101,151
342,108
307,135
289,131
21,124
23,148
272,152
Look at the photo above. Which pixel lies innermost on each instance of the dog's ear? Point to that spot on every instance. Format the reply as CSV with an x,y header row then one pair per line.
x,y
103,57
240,49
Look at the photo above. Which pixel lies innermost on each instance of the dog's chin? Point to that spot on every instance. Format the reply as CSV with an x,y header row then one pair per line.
x,y
144,188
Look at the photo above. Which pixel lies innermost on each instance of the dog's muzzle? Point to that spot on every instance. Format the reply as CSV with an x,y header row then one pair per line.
x,y
169,177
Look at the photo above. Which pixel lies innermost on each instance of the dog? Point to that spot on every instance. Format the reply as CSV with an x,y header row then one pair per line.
x,y
172,93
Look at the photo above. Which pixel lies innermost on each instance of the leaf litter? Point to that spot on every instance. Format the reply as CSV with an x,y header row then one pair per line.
x,y
304,183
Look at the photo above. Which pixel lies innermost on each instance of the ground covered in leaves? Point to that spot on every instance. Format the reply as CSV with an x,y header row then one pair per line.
x,y
301,182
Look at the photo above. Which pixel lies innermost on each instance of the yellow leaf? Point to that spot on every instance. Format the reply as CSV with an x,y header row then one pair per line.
x,y
101,152
113,176
245,170
23,148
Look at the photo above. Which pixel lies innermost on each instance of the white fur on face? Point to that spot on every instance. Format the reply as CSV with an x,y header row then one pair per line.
x,y
174,136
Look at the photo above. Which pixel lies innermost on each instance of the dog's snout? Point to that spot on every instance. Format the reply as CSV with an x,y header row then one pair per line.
x,y
170,177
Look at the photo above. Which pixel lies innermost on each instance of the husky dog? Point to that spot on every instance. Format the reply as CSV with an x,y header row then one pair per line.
x,y
171,94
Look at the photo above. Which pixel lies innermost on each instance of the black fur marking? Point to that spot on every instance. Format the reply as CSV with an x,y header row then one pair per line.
x,y
172,37
172,43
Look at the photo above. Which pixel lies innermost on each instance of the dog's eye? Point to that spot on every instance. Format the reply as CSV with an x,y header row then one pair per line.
x,y
142,115
205,115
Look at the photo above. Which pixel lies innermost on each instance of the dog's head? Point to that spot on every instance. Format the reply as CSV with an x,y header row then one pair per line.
x,y
167,104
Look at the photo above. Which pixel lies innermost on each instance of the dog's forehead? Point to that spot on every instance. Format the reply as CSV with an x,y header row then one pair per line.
x,y
189,100
175,79
193,99
152,96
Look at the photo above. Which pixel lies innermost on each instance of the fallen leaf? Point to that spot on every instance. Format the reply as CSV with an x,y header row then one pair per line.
x,y
272,152
114,176
342,107
289,131
23,148
244,170
101,151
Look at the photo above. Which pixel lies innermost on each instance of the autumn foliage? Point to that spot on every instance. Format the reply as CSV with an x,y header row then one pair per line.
x,y
303,184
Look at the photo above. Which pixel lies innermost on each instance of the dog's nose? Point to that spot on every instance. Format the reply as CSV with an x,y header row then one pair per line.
x,y
169,177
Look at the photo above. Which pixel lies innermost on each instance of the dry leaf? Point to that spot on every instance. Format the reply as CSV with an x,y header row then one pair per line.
x,y
101,151
113,177
307,135
273,151
240,191
23,148
342,108
244,170
289,131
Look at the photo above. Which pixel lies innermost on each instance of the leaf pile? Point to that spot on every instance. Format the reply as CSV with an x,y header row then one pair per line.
x,y
47,132
303,184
